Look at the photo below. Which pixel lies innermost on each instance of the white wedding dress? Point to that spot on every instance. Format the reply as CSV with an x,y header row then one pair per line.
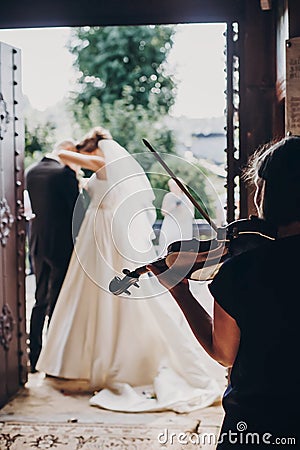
x,y
139,352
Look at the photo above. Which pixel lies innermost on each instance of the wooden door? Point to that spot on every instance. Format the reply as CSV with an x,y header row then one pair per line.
x,y
13,357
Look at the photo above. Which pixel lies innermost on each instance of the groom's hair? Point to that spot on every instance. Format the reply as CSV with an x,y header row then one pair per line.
x,y
90,141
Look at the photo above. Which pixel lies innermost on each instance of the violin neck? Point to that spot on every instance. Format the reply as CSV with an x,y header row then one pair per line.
x,y
136,273
159,263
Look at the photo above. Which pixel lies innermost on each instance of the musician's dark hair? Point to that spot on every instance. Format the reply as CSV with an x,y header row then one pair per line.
x,y
276,166
90,142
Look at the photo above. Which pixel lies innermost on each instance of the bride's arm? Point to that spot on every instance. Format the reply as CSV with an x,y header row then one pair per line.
x,y
91,162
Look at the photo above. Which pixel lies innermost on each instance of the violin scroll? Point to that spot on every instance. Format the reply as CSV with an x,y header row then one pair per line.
x,y
119,285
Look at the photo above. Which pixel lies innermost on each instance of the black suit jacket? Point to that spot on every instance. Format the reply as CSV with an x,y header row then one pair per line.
x,y
53,191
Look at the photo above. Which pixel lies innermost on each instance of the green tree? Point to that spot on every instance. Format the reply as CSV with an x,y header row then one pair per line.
x,y
123,83
124,62
38,140
128,128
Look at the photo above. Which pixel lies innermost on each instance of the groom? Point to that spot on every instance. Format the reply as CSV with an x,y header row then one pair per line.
x,y
53,190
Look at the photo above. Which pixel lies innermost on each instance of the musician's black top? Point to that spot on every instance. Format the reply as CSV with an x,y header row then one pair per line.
x,y
260,289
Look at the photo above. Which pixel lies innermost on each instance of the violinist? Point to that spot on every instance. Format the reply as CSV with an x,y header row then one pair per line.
x,y
255,323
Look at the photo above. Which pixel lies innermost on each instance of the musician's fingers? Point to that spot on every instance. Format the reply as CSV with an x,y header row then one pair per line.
x,y
154,269
168,278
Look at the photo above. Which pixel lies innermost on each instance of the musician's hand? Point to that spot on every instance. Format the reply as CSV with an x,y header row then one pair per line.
x,y
168,277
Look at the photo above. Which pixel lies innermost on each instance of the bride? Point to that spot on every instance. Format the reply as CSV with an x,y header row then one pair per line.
x,y
140,352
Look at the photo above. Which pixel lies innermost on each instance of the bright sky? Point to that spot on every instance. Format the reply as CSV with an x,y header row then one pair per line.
x,y
196,58
199,60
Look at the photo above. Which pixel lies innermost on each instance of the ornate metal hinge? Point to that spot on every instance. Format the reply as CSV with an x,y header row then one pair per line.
x,y
4,116
7,324
6,221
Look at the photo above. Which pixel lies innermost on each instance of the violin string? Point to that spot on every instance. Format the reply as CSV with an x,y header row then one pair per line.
x,y
182,187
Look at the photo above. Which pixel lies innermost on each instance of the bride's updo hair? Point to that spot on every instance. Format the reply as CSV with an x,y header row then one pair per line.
x,y
90,141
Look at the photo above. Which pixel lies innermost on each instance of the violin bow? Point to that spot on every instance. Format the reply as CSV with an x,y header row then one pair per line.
x,y
181,186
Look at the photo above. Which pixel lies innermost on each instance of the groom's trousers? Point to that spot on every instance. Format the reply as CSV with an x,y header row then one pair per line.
x,y
49,279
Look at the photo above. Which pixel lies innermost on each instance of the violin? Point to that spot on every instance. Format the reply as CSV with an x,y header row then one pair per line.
x,y
200,260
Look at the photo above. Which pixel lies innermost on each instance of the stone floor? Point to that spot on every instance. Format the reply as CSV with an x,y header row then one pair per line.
x,y
45,400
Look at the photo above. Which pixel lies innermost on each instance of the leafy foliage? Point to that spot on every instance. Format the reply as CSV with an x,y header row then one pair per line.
x,y
129,128
38,140
123,83
128,63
